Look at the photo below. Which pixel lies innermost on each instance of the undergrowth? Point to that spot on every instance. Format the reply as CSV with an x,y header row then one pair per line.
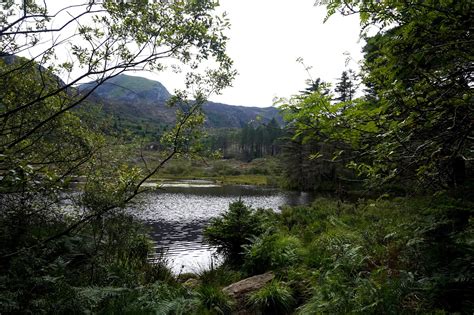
x,y
383,256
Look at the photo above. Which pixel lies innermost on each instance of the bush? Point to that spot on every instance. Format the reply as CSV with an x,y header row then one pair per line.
x,y
158,298
258,170
233,229
270,252
178,169
384,256
220,276
224,169
214,300
337,246
274,298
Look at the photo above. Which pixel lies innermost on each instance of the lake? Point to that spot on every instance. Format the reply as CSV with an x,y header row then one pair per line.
x,y
177,213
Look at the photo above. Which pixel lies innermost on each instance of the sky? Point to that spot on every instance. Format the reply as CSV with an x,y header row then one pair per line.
x,y
267,37
265,40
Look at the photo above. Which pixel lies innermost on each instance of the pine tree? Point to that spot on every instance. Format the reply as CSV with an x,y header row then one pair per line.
x,y
316,85
346,88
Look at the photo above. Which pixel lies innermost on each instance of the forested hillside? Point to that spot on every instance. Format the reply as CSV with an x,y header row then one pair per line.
x,y
135,102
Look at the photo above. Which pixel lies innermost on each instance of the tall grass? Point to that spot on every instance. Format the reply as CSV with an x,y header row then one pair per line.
x,y
383,256
274,298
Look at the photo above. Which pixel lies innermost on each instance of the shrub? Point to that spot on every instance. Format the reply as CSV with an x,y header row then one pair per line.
x,y
214,300
300,217
177,169
220,276
271,251
233,229
258,170
337,246
274,298
224,169
158,298
158,269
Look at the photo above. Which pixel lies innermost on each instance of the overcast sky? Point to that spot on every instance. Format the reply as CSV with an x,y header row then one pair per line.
x,y
266,38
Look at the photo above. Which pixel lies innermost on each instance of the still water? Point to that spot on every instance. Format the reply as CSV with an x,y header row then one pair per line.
x,y
177,213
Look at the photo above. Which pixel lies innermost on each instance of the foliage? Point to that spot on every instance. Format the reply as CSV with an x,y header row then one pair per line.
x,y
112,259
158,298
233,229
215,300
273,298
314,85
414,125
389,255
384,256
77,250
254,140
346,87
270,252
413,128
221,275
395,256
313,157
261,140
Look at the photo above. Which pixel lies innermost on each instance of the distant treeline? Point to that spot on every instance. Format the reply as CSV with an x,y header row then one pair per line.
x,y
254,140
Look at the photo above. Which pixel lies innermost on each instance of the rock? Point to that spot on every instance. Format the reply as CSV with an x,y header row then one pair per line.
x,y
240,290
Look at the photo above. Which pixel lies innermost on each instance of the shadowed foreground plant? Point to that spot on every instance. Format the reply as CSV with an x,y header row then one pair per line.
x,y
215,300
274,298
270,252
158,298
219,276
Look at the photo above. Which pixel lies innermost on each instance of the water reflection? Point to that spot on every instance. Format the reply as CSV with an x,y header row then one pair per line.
x,y
178,213
182,243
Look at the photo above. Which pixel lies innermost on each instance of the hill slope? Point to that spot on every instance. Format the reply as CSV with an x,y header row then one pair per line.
x,y
139,99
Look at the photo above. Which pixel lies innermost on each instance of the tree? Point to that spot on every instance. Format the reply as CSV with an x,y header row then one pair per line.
x,y
234,229
313,154
314,86
44,144
417,124
274,133
345,88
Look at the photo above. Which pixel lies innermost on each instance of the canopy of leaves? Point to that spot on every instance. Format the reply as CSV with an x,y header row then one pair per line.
x,y
416,123
56,237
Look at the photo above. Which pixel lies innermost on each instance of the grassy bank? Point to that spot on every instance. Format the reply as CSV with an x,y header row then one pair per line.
x,y
226,172
383,256
397,256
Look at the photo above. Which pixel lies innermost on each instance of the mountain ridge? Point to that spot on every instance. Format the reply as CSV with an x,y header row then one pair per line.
x,y
139,98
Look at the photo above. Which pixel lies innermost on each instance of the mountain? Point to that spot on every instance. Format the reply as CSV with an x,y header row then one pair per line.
x,y
125,88
222,115
138,99
24,63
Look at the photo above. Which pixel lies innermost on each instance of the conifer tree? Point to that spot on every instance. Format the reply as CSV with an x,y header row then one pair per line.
x,y
346,88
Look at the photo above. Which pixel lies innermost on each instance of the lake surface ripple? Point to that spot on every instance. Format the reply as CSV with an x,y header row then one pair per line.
x,y
178,212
